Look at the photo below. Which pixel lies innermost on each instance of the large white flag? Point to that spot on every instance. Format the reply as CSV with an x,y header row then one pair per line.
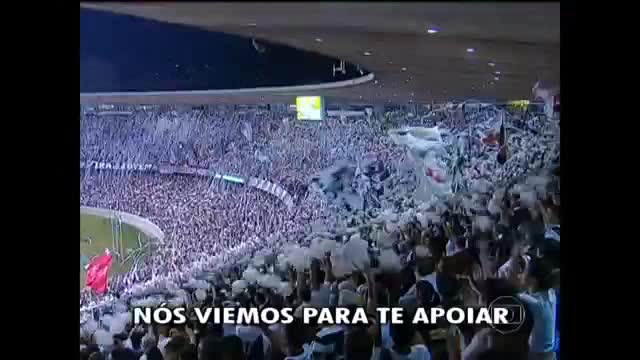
x,y
247,131
547,95
427,152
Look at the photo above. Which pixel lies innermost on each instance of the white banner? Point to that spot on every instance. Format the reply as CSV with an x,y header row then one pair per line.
x,y
273,189
99,165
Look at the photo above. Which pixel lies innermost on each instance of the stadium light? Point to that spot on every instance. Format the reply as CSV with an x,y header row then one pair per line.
x,y
491,63
367,53
432,31
471,50
404,69
318,40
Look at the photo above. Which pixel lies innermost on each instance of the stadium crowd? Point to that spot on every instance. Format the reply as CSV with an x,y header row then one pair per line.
x,y
231,246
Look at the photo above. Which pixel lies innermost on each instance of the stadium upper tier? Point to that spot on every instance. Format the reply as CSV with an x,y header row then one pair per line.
x,y
419,52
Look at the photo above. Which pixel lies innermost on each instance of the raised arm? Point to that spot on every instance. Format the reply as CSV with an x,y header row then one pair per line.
x,y
546,216
292,277
488,265
511,268
372,293
278,349
374,330
301,285
329,277
453,343
315,274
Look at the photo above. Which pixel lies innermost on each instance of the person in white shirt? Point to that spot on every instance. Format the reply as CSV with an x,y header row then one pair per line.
x,y
163,338
162,343
425,272
540,298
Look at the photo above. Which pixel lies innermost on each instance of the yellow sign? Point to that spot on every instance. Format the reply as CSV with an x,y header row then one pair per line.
x,y
518,105
309,107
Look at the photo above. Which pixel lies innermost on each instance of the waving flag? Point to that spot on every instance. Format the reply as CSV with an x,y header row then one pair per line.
x,y
247,131
417,139
98,272
435,174
503,152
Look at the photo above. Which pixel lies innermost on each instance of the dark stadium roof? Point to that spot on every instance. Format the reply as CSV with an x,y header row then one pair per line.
x,y
521,40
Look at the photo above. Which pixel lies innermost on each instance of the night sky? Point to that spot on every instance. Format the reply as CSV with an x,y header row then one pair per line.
x,y
125,53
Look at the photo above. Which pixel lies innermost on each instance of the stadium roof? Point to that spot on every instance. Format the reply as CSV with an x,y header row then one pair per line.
x,y
418,52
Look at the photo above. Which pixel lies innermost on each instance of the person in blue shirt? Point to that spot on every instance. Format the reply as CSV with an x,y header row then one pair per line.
x,y
540,298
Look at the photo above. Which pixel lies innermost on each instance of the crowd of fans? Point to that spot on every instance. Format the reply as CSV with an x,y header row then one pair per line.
x,y
496,235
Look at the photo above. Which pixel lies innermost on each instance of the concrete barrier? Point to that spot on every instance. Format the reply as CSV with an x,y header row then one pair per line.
x,y
145,226
259,90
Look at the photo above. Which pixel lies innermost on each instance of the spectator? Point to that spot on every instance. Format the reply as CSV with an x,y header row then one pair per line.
x,y
151,351
163,338
211,348
180,348
296,337
540,298
96,356
120,352
232,348
407,342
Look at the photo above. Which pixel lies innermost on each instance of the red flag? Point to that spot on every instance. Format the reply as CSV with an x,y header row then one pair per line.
x,y
491,139
97,273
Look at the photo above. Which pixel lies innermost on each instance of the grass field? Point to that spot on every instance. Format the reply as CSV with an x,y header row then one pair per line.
x,y
99,229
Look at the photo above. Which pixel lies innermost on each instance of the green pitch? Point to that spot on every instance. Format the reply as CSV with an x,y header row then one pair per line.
x,y
99,229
